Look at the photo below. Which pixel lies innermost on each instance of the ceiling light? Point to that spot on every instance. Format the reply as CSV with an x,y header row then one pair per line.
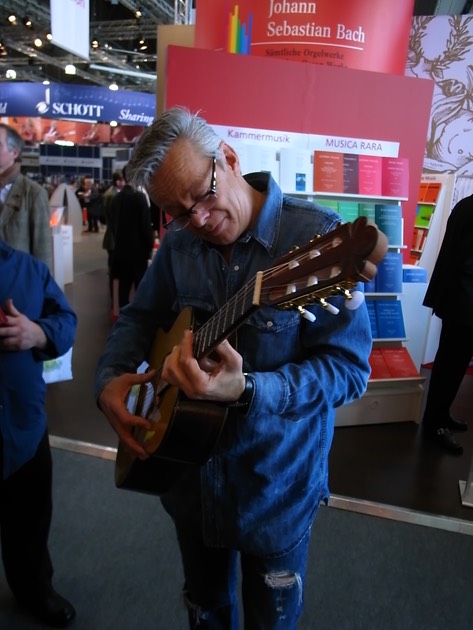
x,y
70,69
38,42
142,45
27,22
10,74
138,14
95,43
12,18
49,37
3,50
113,86
113,123
46,82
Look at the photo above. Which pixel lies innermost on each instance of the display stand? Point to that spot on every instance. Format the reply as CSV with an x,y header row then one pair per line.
x,y
65,196
466,489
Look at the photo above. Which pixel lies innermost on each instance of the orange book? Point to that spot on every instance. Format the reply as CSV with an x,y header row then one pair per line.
x,y
432,193
422,191
328,171
379,368
399,362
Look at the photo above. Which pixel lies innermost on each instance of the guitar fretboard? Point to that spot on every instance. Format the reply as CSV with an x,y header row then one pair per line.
x,y
228,318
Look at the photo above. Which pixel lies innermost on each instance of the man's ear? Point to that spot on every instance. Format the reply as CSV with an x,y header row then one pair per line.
x,y
231,157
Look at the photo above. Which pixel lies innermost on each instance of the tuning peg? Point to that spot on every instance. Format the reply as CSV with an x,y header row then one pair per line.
x,y
355,300
329,307
306,314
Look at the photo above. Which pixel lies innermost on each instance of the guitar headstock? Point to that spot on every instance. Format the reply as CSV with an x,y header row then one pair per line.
x,y
326,266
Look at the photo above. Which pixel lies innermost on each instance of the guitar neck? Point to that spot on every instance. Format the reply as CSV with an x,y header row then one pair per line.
x,y
228,318
326,266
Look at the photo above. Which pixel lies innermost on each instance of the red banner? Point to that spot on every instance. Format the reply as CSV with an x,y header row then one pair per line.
x,y
357,34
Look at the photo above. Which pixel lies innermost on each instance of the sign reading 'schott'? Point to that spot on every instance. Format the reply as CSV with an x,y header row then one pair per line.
x,y
77,102
357,34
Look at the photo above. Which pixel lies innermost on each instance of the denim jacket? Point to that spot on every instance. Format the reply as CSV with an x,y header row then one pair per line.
x,y
261,489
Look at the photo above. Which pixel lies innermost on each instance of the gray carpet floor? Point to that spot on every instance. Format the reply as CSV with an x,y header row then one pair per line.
x,y
116,558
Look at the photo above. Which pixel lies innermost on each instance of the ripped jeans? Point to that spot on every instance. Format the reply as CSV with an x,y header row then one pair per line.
x,y
272,588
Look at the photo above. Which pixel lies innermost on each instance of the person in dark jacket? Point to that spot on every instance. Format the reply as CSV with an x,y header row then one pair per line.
x,y
133,238
37,324
450,295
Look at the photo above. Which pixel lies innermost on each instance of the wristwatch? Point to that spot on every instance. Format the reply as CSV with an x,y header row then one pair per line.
x,y
246,397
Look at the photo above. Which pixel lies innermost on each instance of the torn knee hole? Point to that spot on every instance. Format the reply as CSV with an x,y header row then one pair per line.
x,y
282,579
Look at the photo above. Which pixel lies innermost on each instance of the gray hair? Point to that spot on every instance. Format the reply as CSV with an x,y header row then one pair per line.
x,y
14,140
156,141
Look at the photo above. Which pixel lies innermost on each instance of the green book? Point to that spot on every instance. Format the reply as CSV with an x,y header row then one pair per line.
x,y
348,210
328,203
424,215
367,210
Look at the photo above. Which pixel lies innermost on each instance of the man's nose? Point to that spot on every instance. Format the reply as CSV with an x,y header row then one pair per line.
x,y
199,217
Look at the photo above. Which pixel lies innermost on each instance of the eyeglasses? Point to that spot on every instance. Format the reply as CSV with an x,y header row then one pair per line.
x,y
205,203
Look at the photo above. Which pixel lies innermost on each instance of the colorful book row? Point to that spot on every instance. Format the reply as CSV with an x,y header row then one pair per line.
x,y
388,217
343,173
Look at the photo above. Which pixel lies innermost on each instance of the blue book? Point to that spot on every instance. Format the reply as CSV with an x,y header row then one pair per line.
x,y
388,218
389,276
390,319
413,273
370,286
370,305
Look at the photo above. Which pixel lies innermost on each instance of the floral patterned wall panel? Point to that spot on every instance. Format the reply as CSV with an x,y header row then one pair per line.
x,y
441,49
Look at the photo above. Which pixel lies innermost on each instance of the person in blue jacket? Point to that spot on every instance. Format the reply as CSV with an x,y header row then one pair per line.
x,y
256,497
36,324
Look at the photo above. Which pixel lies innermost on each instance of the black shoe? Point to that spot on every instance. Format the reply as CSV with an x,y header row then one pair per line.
x,y
52,610
443,438
457,425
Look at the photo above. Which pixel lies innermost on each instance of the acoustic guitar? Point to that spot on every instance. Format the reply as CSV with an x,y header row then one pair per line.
x,y
185,432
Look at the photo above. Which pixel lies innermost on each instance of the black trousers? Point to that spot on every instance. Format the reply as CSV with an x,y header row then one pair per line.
x,y
453,356
25,520
129,273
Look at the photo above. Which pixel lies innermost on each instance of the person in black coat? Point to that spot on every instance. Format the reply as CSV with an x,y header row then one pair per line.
x,y
450,295
133,236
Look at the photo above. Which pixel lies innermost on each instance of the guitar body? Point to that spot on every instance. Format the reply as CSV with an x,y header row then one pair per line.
x,y
184,431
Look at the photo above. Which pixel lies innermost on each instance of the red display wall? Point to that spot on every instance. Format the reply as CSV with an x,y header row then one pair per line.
x,y
305,98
